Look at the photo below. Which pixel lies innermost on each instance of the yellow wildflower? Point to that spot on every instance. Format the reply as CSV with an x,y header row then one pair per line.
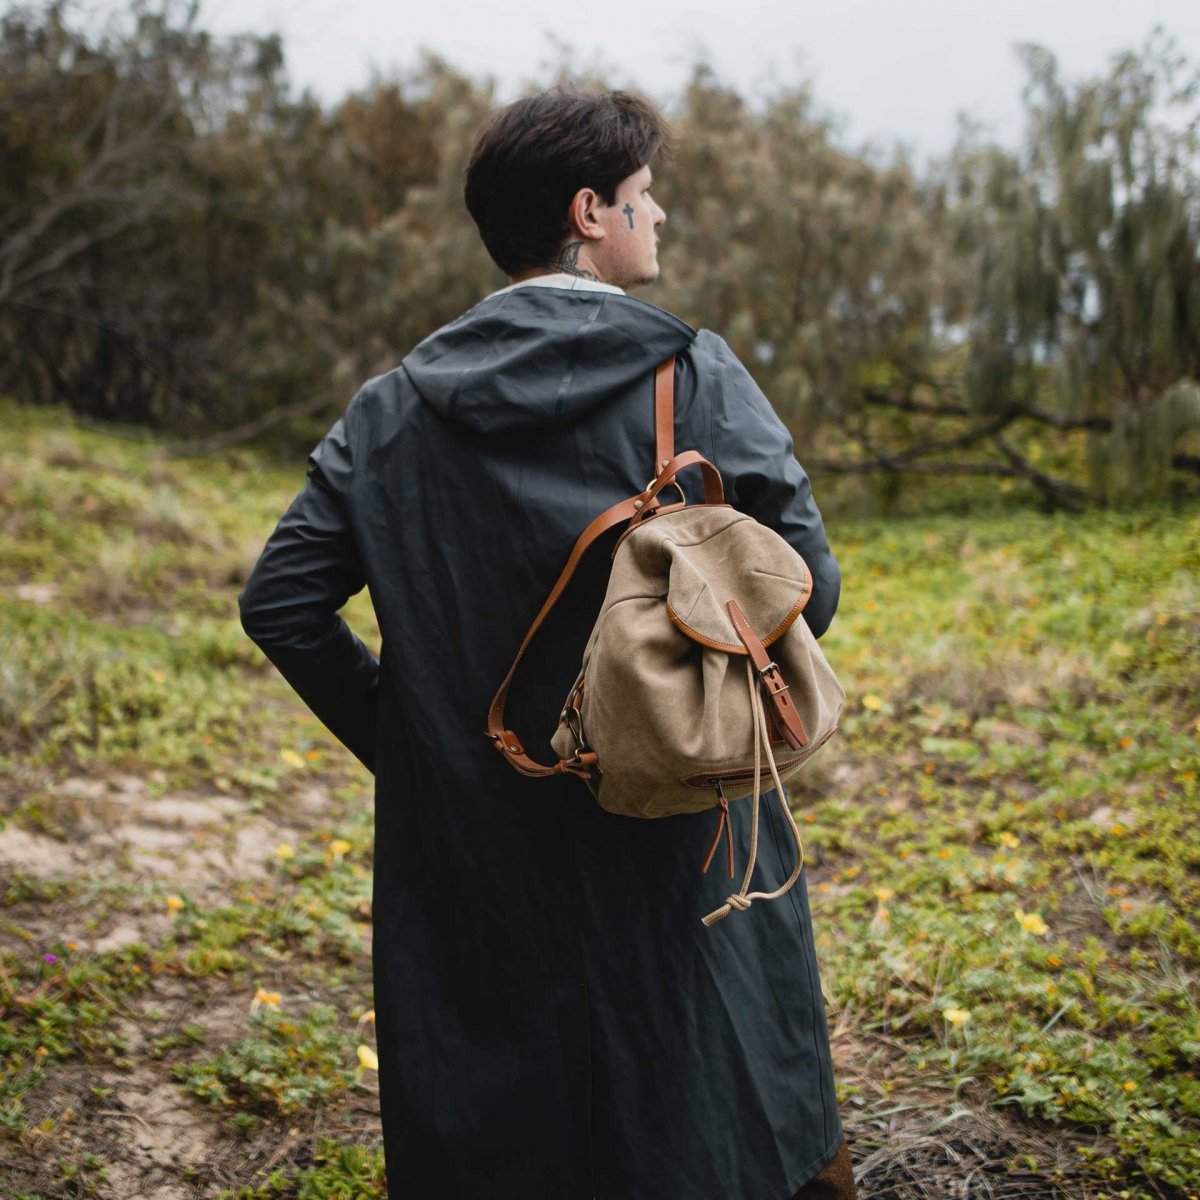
x,y
174,903
872,702
1010,840
1032,923
291,758
285,850
1129,1085
956,1016
264,998
368,1060
339,846
884,894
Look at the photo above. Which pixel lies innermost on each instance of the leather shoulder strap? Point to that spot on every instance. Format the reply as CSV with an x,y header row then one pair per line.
x,y
664,414
505,740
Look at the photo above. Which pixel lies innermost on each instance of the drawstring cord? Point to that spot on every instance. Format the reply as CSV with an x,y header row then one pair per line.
x,y
741,899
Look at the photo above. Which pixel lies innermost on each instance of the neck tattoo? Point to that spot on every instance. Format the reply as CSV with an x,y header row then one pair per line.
x,y
568,260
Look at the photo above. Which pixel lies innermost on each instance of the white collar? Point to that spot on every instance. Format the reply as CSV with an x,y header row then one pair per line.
x,y
561,279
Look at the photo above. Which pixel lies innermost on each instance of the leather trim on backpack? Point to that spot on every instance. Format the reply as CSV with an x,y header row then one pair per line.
x,y
737,647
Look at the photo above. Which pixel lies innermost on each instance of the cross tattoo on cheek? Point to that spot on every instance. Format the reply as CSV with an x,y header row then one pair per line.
x,y
628,211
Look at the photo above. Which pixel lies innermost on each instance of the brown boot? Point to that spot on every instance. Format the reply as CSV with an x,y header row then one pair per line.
x,y
835,1181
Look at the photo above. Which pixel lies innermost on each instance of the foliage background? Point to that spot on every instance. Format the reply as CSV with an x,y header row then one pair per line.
x,y
187,244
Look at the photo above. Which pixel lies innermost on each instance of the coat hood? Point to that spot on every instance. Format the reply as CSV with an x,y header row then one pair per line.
x,y
534,356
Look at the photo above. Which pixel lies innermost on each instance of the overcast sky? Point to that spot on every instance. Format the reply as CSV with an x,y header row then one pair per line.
x,y
892,71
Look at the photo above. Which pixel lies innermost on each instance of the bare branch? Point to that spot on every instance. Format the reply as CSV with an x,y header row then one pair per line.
x,y
249,429
907,404
87,190
1058,492
868,466
62,254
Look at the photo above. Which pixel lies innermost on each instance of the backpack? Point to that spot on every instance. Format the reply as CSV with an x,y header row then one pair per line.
x,y
699,666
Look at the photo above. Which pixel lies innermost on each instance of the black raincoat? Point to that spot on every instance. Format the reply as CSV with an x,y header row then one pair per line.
x,y
553,1021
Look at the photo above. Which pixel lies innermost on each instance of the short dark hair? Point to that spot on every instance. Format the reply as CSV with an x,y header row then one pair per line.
x,y
533,155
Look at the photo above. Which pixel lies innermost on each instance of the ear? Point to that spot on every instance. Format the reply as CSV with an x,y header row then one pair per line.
x,y
582,215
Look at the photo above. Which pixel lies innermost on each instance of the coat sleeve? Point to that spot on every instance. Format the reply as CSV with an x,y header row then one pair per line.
x,y
309,567
753,450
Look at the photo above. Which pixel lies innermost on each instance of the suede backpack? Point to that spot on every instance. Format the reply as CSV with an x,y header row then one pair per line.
x,y
700,680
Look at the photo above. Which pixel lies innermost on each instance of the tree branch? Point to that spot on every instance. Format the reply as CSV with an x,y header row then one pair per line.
x,y
1058,492
248,429
1013,411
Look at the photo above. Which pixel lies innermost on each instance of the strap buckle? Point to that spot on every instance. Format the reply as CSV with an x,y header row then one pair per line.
x,y
674,483
775,691
575,726
583,763
513,746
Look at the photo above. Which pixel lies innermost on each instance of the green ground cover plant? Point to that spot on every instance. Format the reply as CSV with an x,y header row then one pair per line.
x,y
1016,882
1002,841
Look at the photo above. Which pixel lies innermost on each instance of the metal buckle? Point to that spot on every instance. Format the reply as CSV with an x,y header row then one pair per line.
x,y
674,483
775,691
575,727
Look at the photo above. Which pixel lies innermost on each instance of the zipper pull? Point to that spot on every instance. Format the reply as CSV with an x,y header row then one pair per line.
x,y
725,826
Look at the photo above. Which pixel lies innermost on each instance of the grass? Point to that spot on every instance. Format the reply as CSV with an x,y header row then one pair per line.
x,y
1002,845
1011,820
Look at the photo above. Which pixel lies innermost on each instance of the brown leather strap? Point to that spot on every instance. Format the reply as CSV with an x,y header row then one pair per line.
x,y
724,825
505,740
788,718
714,489
664,414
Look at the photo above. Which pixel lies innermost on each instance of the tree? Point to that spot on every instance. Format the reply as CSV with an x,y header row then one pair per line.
x,y
1074,266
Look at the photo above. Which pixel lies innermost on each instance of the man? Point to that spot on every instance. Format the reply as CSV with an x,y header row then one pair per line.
x,y
553,1020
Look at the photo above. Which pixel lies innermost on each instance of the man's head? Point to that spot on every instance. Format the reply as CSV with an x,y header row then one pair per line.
x,y
561,181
